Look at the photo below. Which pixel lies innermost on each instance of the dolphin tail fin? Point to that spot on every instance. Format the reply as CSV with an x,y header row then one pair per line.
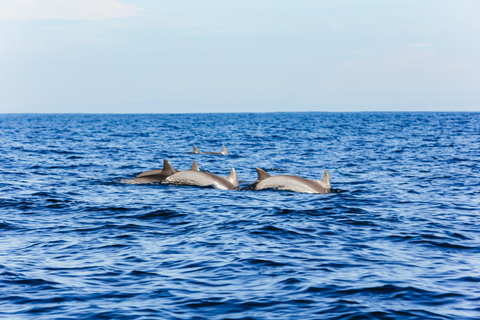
x,y
261,174
195,150
233,178
325,182
195,166
224,150
168,168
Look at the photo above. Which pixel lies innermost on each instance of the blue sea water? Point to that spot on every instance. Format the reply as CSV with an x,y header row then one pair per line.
x,y
399,238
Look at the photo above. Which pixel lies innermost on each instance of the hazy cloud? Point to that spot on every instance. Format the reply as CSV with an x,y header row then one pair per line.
x,y
420,45
65,9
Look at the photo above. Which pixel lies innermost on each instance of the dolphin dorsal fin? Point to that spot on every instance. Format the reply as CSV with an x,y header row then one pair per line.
x,y
233,178
167,168
195,150
224,150
195,166
262,174
325,182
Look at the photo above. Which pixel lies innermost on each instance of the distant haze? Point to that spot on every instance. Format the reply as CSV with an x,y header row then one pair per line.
x,y
154,56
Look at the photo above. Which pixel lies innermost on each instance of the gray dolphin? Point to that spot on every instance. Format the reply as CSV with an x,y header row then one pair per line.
x,y
291,183
224,151
195,177
157,175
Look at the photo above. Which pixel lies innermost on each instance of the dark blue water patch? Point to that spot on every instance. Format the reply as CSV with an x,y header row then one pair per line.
x,y
469,279
447,245
28,283
397,239
157,215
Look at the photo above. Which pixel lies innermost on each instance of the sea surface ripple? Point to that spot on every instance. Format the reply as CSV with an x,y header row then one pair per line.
x,y
399,238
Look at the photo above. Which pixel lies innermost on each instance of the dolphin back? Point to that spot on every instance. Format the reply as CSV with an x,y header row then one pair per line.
x,y
157,175
232,178
195,177
291,183
325,182
262,174
195,166
224,151
167,168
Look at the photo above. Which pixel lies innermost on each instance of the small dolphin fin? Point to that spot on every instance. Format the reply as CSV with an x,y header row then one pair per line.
x,y
233,178
325,182
224,151
195,150
262,174
167,168
195,166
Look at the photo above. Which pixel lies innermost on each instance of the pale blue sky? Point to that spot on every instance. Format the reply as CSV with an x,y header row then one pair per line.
x,y
239,56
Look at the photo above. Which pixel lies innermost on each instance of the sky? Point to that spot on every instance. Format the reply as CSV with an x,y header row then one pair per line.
x,y
183,56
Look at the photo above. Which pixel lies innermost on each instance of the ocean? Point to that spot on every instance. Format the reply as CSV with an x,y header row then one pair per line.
x,y
398,237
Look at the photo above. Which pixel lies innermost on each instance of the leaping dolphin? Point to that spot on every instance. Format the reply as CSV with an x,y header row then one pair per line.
x,y
224,151
157,175
291,183
195,177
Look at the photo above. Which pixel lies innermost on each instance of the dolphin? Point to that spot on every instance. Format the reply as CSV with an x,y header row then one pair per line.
x,y
195,177
224,151
291,183
157,175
